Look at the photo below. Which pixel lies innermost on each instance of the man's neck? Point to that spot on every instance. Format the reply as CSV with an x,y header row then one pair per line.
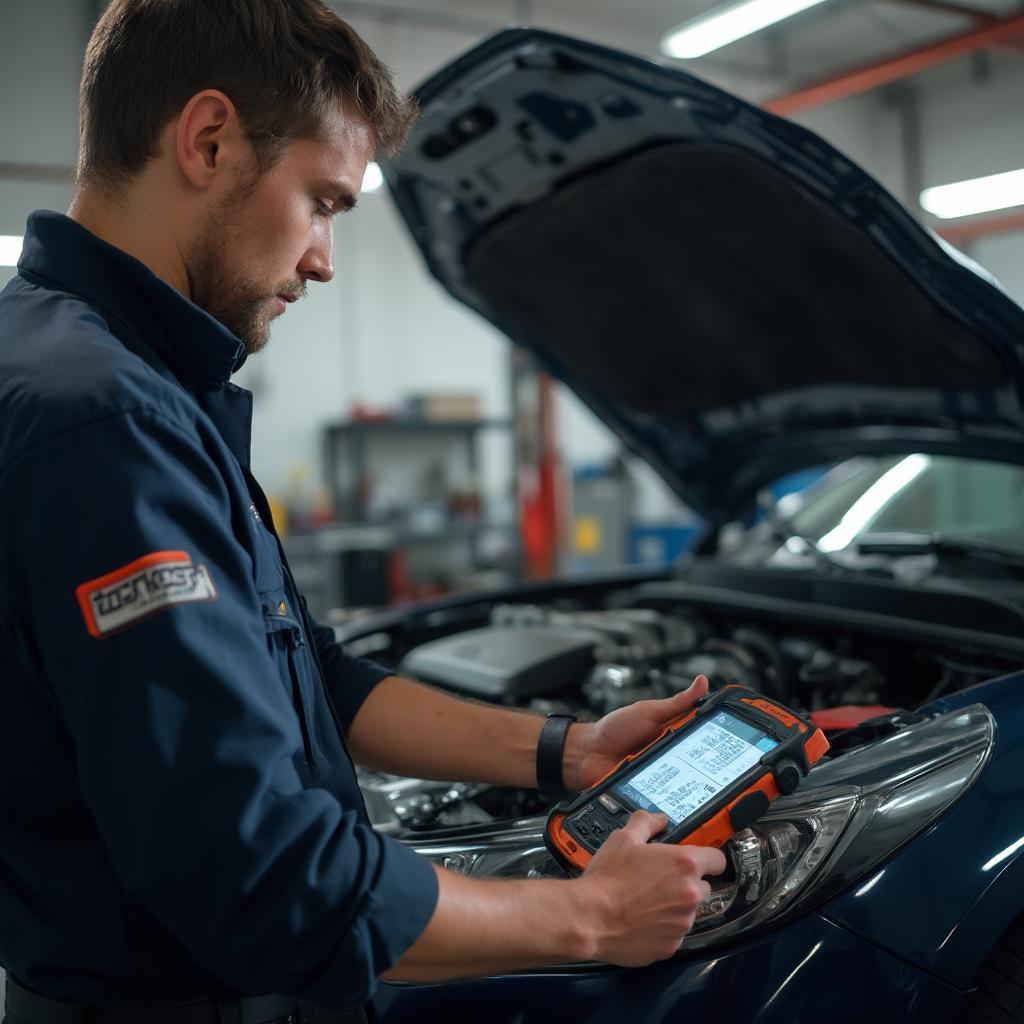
x,y
125,223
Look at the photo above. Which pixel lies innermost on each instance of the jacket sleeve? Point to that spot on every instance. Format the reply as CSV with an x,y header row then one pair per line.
x,y
185,736
349,679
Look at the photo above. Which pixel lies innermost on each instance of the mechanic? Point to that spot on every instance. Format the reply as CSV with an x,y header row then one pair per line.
x,y
184,839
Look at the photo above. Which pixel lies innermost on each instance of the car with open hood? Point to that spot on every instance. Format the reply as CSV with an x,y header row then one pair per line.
x,y
738,301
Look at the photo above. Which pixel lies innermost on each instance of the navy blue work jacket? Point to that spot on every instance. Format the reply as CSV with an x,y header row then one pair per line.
x,y
179,815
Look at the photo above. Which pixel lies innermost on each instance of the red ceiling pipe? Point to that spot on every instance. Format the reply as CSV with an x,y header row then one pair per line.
x,y
981,227
896,68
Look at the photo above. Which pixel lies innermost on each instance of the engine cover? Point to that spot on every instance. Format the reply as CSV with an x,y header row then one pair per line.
x,y
505,663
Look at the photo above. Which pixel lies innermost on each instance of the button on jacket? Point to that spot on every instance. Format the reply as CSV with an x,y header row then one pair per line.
x,y
179,813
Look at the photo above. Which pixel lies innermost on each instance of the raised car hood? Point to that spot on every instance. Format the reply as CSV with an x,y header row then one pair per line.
x,y
733,296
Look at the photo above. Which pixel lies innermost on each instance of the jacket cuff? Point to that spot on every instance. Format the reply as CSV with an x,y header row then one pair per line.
x,y
393,916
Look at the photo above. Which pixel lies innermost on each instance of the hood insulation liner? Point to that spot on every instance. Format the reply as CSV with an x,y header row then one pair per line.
x,y
690,277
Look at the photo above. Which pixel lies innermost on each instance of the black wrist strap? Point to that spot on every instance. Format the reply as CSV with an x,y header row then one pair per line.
x,y
550,750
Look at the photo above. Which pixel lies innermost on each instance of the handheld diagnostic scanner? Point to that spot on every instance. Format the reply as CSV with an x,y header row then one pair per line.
x,y
712,773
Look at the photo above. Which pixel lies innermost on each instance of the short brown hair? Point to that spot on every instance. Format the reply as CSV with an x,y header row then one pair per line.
x,y
283,63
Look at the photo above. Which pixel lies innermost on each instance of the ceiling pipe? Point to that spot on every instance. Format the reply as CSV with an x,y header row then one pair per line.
x,y
972,14
894,69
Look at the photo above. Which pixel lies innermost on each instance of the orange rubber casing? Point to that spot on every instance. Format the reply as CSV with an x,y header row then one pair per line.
x,y
718,829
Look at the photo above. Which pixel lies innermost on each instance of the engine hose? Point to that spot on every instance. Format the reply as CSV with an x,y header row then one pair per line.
x,y
780,683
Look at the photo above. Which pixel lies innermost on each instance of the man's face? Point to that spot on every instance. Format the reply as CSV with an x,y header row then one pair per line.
x,y
271,234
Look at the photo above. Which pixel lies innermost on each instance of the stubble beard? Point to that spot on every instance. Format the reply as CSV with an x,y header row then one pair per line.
x,y
237,301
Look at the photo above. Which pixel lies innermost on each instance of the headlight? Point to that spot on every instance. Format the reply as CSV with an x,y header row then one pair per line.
x,y
848,816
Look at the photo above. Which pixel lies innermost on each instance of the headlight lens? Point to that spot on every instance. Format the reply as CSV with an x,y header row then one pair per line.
x,y
848,816
768,864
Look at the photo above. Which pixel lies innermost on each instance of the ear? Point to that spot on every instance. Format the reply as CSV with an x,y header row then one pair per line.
x,y
207,137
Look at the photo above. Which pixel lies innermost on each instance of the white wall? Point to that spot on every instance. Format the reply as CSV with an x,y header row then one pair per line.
x,y
40,65
972,119
41,44
973,125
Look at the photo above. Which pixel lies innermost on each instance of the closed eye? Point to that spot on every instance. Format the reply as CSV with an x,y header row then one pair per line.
x,y
341,201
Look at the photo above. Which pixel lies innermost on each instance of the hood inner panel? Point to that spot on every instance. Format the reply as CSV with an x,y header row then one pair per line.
x,y
616,272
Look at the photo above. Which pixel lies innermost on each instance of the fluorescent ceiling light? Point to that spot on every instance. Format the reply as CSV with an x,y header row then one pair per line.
x,y
726,24
10,250
979,195
373,178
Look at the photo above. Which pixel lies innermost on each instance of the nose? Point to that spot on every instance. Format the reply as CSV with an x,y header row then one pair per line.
x,y
317,263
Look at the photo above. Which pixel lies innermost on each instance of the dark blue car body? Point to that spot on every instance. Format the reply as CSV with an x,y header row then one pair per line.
x,y
903,944
508,133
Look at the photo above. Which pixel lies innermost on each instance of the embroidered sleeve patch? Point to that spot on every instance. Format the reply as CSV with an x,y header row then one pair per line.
x,y
142,588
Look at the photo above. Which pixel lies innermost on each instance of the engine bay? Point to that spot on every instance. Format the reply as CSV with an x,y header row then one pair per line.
x,y
588,653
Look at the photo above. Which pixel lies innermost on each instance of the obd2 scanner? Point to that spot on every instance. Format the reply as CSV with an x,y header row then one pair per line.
x,y
712,773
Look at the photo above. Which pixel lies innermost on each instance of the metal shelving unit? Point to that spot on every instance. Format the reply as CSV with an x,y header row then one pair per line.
x,y
347,451
358,453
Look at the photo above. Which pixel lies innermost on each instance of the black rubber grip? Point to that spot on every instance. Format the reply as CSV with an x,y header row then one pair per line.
x,y
744,813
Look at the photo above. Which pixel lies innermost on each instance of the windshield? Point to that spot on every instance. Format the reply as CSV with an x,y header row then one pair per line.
x,y
964,499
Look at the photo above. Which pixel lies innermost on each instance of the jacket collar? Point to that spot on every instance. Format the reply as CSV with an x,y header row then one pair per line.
x,y
197,347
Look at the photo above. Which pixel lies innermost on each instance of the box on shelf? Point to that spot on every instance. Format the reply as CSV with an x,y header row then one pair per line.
x,y
442,407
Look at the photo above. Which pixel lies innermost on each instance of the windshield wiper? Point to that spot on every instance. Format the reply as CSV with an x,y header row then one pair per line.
x,y
784,532
901,545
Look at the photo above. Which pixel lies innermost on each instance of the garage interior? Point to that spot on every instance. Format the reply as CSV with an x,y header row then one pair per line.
x,y
408,450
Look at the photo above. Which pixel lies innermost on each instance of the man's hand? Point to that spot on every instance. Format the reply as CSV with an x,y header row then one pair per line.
x,y
591,751
643,896
632,906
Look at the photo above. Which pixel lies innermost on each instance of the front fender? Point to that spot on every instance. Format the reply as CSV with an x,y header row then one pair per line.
x,y
942,902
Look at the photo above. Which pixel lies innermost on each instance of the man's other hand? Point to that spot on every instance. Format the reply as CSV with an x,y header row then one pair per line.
x,y
593,750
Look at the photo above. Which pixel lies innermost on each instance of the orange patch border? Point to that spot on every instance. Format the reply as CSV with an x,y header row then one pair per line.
x,y
85,590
